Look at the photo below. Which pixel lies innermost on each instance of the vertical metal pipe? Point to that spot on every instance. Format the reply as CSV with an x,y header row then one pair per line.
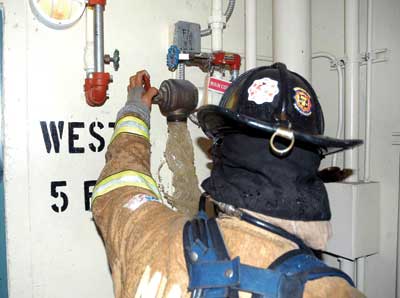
x,y
367,158
251,34
291,24
98,38
352,72
216,22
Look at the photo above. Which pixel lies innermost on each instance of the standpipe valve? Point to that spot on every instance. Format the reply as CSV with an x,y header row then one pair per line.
x,y
96,83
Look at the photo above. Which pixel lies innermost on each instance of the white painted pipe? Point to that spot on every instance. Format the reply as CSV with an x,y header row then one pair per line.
x,y
361,262
352,72
367,156
217,24
89,47
339,128
291,25
251,34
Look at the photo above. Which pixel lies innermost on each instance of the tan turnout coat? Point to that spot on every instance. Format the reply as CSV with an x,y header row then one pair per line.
x,y
144,245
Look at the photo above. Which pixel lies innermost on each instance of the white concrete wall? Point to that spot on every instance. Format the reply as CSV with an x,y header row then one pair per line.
x,y
59,254
328,35
381,269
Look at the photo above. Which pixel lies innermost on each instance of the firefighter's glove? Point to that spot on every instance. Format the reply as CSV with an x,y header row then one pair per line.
x,y
139,100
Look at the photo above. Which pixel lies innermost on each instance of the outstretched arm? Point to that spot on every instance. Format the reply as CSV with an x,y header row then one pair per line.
x,y
128,154
126,203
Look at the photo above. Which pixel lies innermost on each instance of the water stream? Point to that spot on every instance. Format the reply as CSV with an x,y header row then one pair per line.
x,y
179,156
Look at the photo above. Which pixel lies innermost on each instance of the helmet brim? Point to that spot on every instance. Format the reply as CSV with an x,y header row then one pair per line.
x,y
216,121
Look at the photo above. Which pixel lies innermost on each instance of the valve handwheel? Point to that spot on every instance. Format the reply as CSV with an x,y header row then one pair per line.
x,y
114,60
173,57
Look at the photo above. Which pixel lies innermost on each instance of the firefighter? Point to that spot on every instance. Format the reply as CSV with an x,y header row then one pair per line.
x,y
268,142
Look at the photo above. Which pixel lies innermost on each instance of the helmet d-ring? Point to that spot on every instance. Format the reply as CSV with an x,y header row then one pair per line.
x,y
285,134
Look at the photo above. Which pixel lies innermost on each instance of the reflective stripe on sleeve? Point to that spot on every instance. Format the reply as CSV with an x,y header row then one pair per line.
x,y
125,178
132,125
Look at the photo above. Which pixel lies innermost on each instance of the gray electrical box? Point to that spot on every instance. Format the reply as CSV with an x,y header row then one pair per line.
x,y
187,37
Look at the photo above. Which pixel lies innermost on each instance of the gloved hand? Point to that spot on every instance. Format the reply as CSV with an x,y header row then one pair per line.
x,y
139,100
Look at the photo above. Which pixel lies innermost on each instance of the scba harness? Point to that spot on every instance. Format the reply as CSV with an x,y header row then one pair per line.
x,y
212,273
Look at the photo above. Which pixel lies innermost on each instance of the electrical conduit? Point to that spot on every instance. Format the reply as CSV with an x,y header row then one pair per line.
x,y
336,62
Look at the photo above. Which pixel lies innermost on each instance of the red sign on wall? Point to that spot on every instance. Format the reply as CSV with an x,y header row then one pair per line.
x,y
218,85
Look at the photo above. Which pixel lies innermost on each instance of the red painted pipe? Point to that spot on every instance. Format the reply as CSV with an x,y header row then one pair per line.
x,y
94,2
231,60
96,88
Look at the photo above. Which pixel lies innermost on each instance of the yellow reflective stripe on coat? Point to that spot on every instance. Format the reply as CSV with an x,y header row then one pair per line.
x,y
132,125
125,178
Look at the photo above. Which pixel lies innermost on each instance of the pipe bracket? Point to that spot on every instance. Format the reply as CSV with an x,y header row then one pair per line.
x,y
377,55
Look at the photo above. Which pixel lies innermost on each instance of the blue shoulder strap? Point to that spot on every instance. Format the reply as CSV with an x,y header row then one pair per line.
x,y
212,274
299,262
203,248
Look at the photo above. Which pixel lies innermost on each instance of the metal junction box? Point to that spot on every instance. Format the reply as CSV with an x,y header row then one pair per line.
x,y
355,219
187,37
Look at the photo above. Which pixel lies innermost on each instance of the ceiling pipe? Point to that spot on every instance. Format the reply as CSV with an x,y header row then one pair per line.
x,y
291,25
251,34
352,74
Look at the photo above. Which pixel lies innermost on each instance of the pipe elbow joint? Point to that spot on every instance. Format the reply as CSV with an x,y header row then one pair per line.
x,y
96,88
97,2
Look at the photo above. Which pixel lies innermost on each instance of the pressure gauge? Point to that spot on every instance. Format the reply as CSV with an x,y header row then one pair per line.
x,y
58,14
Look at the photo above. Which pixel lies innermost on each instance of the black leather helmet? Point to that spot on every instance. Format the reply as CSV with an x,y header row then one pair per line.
x,y
274,100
